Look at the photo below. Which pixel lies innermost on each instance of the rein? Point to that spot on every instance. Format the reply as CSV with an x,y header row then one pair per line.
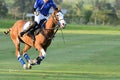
x,y
53,35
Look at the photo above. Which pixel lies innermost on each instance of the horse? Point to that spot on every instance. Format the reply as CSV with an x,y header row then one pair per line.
x,y
42,40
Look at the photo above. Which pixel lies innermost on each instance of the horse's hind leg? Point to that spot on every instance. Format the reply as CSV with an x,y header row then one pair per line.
x,y
17,46
24,52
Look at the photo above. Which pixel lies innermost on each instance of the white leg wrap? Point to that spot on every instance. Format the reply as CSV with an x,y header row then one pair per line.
x,y
43,52
18,55
24,53
27,24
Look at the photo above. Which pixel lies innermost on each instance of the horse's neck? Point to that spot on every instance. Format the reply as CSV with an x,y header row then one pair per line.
x,y
50,23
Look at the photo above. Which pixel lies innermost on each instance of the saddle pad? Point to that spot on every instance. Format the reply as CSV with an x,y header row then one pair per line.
x,y
26,26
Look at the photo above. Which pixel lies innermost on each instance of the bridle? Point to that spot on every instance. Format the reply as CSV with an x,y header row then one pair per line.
x,y
56,28
55,20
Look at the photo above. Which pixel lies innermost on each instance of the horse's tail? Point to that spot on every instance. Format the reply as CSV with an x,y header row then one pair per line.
x,y
6,32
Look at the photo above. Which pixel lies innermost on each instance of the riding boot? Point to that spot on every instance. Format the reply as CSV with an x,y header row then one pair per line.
x,y
31,34
33,24
42,24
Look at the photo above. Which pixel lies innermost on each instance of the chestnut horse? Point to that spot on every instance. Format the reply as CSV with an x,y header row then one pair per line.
x,y
42,40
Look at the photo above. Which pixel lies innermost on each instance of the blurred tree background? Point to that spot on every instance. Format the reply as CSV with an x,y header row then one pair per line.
x,y
102,12
3,9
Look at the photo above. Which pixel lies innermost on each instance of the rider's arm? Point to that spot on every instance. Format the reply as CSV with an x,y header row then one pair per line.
x,y
35,5
53,5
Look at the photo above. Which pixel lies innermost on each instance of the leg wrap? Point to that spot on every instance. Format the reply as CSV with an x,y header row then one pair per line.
x,y
21,60
26,56
38,60
43,54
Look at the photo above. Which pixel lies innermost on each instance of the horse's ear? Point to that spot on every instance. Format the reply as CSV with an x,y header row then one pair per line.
x,y
59,8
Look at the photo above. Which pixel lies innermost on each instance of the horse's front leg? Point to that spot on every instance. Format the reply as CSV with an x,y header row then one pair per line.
x,y
42,55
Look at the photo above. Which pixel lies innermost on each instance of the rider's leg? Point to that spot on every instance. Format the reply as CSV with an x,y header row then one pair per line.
x,y
33,24
40,19
42,23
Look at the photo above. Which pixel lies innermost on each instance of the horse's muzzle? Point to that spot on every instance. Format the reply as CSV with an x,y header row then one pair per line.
x,y
62,24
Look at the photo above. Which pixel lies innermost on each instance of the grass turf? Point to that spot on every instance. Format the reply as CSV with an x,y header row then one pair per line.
x,y
85,55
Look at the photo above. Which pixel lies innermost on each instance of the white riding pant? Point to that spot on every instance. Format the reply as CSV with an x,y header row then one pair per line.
x,y
39,17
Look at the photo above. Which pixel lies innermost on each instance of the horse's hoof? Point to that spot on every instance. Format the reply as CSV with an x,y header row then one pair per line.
x,y
24,66
29,66
32,62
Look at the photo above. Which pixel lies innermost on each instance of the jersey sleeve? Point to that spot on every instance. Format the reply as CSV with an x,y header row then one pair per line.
x,y
36,4
53,5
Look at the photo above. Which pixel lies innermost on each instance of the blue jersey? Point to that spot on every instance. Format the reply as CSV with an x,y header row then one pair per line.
x,y
44,8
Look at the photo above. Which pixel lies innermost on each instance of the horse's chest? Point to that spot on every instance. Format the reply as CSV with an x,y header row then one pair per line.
x,y
47,38
47,42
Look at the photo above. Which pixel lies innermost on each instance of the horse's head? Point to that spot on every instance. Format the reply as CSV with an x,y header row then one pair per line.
x,y
59,17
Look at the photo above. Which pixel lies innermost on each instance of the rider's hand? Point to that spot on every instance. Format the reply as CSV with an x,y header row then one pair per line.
x,y
36,13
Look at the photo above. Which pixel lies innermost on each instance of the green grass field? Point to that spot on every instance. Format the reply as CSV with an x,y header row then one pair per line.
x,y
84,54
